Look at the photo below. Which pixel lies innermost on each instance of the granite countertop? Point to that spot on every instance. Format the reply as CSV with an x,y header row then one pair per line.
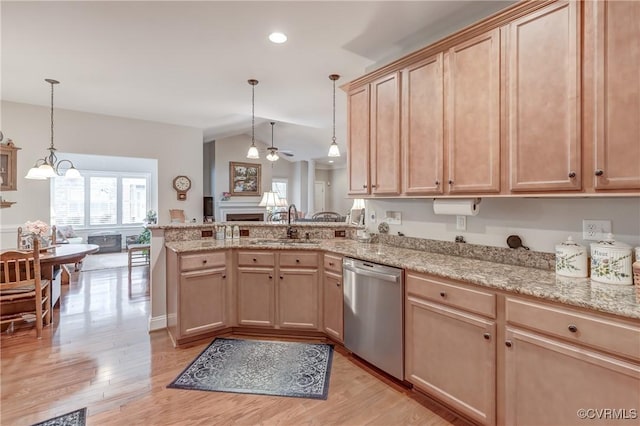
x,y
614,299
341,225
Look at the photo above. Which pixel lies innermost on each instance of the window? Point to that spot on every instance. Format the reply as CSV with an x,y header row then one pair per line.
x,y
100,199
279,186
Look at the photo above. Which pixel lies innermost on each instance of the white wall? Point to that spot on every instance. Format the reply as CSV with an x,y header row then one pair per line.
x,y
177,149
540,222
337,191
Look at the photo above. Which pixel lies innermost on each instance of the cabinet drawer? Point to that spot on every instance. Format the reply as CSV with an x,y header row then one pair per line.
x,y
256,258
480,302
588,329
202,260
298,258
333,263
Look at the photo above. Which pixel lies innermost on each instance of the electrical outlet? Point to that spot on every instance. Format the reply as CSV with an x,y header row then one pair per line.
x,y
595,230
461,223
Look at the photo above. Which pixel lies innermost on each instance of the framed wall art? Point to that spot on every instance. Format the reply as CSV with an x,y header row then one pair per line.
x,y
244,178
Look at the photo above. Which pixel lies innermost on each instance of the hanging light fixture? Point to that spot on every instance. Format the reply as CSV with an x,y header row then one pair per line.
x,y
253,151
273,151
334,150
50,166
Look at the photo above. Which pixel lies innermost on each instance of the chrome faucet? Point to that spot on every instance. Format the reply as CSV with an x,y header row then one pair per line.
x,y
291,232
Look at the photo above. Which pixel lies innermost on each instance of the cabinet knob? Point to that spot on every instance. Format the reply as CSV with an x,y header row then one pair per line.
x,y
508,343
204,261
437,183
224,276
487,336
270,277
374,186
331,263
572,328
338,284
572,174
450,182
281,277
364,186
255,260
297,260
443,294
599,172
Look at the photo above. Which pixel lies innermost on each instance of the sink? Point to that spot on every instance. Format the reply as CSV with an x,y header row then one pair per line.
x,y
286,242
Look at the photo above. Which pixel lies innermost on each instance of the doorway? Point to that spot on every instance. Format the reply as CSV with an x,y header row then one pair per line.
x,y
319,200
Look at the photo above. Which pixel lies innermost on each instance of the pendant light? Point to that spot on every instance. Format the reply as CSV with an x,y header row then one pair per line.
x,y
49,166
334,150
273,151
253,151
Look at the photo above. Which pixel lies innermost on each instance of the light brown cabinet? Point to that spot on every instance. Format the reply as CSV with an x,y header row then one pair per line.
x,y
472,78
423,127
280,291
333,307
559,361
358,141
450,354
613,108
8,167
197,295
543,98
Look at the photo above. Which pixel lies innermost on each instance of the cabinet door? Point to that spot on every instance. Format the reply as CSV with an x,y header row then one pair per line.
x,y
451,355
256,301
358,141
422,127
543,84
617,95
298,299
333,306
548,382
473,115
385,135
203,304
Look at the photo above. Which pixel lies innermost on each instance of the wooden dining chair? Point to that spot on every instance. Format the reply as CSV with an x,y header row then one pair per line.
x,y
24,295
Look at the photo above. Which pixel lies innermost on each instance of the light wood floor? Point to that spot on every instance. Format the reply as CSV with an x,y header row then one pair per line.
x,y
98,354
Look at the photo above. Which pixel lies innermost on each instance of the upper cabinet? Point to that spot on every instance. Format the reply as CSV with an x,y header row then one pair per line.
x,y
612,59
473,115
358,141
385,135
423,127
542,98
543,88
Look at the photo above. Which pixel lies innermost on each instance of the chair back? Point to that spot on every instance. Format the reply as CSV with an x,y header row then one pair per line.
x,y
20,270
277,217
327,216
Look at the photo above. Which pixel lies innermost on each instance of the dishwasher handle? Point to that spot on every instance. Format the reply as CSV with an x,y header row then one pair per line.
x,y
379,275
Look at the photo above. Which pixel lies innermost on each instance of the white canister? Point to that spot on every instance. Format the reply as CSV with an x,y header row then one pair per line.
x,y
637,254
571,259
611,262
228,232
236,232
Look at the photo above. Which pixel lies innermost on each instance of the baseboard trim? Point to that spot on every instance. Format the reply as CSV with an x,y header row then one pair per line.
x,y
157,323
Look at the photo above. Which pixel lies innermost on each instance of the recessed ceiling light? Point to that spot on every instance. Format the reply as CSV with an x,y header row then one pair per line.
x,y
330,161
277,38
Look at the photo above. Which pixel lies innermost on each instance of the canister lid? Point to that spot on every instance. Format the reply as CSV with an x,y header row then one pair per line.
x,y
609,242
570,242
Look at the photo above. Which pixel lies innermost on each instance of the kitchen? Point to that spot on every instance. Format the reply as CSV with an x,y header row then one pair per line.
x,y
542,222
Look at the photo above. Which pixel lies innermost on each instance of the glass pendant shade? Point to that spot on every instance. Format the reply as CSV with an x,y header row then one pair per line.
x,y
253,153
334,151
273,151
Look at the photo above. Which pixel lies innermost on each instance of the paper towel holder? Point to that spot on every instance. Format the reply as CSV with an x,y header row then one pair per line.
x,y
475,200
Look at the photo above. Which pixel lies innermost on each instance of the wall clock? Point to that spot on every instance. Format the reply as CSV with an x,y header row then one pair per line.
x,y
182,184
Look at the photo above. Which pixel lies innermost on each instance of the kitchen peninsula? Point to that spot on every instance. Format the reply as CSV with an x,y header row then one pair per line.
x,y
497,343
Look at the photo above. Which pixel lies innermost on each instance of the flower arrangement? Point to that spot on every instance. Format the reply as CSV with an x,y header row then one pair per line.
x,y
225,196
37,228
152,217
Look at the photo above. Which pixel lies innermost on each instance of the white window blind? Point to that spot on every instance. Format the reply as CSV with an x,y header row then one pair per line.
x,y
67,202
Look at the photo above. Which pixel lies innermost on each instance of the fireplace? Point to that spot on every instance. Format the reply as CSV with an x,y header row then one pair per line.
x,y
244,217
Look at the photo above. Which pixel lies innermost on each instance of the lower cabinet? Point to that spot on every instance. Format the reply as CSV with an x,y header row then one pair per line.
x,y
197,293
450,355
278,290
550,382
333,305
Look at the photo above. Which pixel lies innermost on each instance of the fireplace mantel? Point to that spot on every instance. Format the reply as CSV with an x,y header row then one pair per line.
x,y
236,207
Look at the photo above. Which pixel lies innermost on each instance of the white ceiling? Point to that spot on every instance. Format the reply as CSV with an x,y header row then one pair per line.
x,y
188,63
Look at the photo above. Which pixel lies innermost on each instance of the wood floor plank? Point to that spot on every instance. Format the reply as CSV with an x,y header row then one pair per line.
x,y
98,354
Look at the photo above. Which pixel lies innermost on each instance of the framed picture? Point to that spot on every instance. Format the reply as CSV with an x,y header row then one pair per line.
x,y
244,178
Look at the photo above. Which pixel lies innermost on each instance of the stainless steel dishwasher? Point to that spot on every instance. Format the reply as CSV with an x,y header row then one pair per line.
x,y
373,296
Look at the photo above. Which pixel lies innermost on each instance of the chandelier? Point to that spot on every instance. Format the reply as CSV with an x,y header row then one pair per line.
x,y
334,150
273,151
50,166
253,151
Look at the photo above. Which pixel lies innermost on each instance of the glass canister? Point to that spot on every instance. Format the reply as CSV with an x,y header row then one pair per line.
x,y
611,262
571,259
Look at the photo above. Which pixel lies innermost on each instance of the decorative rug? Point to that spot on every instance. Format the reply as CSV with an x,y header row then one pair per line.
x,y
74,418
260,367
94,262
